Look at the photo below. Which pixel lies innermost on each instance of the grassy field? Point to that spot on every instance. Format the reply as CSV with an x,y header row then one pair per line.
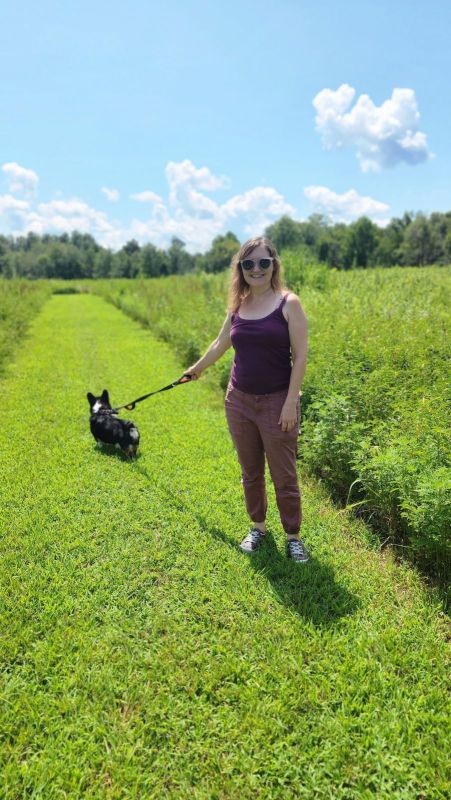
x,y
20,300
143,655
376,406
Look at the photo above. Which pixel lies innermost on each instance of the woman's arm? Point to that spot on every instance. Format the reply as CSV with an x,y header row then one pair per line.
x,y
215,351
298,331
297,328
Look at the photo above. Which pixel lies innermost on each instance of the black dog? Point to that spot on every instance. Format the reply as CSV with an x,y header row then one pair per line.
x,y
108,429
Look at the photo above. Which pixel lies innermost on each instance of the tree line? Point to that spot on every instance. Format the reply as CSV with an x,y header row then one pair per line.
x,y
413,240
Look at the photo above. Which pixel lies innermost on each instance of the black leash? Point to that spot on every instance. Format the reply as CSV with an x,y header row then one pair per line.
x,y
130,406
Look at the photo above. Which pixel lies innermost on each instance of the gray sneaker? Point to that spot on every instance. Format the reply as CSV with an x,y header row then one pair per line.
x,y
252,541
297,550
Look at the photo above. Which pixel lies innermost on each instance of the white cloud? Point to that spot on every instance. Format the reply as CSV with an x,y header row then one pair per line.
x,y
259,207
111,194
382,135
68,215
348,206
147,197
8,202
20,180
13,212
196,218
182,176
189,213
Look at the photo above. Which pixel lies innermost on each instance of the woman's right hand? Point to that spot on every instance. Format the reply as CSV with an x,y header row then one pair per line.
x,y
194,372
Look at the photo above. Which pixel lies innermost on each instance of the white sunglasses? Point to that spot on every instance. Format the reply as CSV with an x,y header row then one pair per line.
x,y
264,263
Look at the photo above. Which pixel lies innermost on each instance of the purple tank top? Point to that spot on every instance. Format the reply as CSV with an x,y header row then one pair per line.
x,y
262,362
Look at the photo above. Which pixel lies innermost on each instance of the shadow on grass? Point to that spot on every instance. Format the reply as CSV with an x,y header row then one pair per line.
x,y
308,589
112,451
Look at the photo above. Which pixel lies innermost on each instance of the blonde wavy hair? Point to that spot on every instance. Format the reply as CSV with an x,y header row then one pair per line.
x,y
238,288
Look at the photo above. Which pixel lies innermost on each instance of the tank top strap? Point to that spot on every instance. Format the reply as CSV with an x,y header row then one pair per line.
x,y
280,306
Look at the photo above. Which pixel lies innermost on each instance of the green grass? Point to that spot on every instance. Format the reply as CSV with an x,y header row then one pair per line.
x,y
143,655
20,301
375,407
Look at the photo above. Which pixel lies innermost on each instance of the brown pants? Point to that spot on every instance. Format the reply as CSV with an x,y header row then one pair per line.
x,y
252,421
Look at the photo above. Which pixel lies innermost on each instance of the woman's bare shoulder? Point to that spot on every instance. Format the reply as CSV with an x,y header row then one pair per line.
x,y
292,304
291,296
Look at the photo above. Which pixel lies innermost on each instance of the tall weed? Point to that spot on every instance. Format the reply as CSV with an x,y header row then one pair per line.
x,y
20,301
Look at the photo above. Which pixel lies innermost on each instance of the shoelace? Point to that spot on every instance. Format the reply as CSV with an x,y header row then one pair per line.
x,y
255,535
297,546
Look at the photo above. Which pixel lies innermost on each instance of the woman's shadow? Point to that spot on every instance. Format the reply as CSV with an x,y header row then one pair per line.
x,y
308,589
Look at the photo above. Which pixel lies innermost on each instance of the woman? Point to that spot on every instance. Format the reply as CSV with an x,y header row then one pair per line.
x,y
267,328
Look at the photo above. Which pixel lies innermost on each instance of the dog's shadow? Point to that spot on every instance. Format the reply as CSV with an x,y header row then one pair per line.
x,y
310,590
111,451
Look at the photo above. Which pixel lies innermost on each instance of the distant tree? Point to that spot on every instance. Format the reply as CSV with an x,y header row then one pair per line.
x,y
447,249
417,244
365,236
10,266
19,243
312,230
413,238
154,262
44,266
127,262
388,251
285,233
31,241
324,249
179,261
4,254
347,247
131,247
65,262
103,264
407,218
218,258
76,238
440,227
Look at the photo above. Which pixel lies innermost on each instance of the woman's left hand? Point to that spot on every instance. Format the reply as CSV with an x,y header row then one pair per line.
x,y
289,415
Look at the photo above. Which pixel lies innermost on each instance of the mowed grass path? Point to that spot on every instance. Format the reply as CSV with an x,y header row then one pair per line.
x,y
143,655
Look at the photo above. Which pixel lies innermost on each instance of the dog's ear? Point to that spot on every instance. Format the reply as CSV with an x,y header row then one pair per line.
x,y
91,398
104,396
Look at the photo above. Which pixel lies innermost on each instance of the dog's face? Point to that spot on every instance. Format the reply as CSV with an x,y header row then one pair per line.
x,y
98,403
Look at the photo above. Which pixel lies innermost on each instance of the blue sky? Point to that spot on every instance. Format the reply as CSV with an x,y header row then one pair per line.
x,y
147,120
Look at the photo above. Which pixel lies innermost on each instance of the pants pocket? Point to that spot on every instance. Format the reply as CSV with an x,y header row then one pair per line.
x,y
229,390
